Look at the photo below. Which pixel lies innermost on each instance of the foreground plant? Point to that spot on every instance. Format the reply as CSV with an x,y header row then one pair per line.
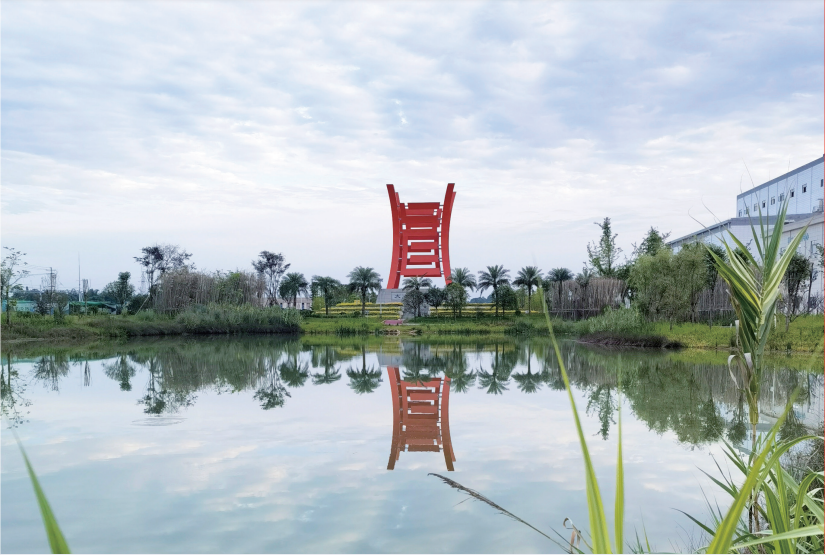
x,y
57,542
754,289
793,510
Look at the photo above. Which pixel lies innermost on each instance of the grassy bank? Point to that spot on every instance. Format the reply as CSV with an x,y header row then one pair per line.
x,y
212,319
617,327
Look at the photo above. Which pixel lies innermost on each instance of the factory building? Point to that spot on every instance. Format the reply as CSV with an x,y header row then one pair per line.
x,y
803,187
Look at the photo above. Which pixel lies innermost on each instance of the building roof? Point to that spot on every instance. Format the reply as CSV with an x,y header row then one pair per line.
x,y
782,177
736,222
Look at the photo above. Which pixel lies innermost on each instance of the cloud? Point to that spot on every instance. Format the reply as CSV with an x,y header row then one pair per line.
x,y
238,127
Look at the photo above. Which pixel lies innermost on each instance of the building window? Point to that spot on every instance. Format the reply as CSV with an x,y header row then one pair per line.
x,y
821,183
782,196
791,193
755,208
772,200
764,204
804,187
739,213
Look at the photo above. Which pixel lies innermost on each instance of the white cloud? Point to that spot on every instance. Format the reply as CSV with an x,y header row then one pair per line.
x,y
240,127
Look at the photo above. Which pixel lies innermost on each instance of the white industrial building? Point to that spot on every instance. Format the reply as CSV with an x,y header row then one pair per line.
x,y
803,187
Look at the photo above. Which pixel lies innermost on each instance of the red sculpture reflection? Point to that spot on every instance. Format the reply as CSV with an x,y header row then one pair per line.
x,y
421,234
420,417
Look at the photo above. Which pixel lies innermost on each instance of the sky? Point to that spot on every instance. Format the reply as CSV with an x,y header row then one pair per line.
x,y
232,128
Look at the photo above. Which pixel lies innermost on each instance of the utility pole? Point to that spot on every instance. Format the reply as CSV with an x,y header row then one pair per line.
x,y
79,292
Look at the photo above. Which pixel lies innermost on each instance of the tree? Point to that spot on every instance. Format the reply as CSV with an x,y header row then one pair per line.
x,y
162,258
435,297
651,243
529,277
328,288
506,298
413,301
12,271
558,276
120,291
271,266
456,298
583,279
416,283
797,273
364,281
463,277
603,255
293,284
711,269
495,277
693,270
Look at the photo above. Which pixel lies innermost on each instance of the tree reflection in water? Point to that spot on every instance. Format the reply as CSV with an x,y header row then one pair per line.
x,y
696,401
12,388
366,380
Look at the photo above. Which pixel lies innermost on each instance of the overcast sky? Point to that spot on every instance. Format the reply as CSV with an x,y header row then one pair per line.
x,y
230,128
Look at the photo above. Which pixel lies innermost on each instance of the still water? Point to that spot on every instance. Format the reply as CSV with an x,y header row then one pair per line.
x,y
265,445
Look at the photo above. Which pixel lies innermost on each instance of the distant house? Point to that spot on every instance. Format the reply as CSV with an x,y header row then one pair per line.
x,y
80,307
21,306
301,303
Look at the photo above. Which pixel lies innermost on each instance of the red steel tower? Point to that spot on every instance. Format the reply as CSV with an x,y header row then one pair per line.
x,y
421,233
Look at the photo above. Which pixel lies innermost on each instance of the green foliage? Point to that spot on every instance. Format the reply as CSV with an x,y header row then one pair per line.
x,y
364,281
711,267
456,298
667,285
413,301
652,243
12,270
529,277
57,542
435,297
463,277
494,277
798,273
271,267
329,289
120,291
603,255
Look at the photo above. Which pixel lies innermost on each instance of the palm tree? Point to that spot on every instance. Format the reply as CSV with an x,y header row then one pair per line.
x,y
364,281
293,284
327,287
463,277
529,277
293,372
558,275
494,278
416,284
583,279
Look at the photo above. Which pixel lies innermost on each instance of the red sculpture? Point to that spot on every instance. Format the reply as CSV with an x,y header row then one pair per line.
x,y
421,233
421,421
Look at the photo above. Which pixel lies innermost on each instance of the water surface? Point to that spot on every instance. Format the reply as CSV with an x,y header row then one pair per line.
x,y
265,445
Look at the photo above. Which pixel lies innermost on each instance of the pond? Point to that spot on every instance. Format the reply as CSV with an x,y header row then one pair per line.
x,y
259,444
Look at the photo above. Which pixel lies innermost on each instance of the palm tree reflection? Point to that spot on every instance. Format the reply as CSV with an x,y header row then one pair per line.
x,y
366,380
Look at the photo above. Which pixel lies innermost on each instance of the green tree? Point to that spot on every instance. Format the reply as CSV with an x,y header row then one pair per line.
x,y
120,291
12,271
651,244
271,267
529,277
494,277
559,276
416,283
797,274
506,298
583,280
364,281
435,297
693,273
413,301
328,288
160,259
292,285
604,254
463,277
456,298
